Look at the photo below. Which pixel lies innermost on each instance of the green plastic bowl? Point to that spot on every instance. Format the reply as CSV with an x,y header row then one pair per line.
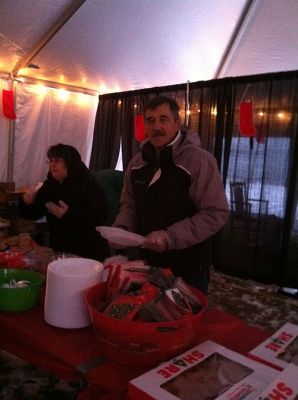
x,y
20,298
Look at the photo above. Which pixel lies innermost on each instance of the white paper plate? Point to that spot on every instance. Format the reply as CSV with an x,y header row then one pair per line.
x,y
120,236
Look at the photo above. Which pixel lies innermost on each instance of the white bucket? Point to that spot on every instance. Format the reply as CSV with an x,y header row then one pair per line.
x,y
67,280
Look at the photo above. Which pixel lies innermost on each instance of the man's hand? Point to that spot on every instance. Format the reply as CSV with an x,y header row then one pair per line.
x,y
59,210
156,241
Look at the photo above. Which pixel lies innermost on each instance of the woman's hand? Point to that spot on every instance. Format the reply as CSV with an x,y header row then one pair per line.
x,y
57,210
29,196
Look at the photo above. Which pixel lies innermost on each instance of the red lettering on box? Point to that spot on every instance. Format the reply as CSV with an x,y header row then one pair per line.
x,y
197,354
276,395
282,387
281,392
273,346
285,336
172,368
164,373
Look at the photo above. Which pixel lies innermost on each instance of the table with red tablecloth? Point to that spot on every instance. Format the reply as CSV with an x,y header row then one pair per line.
x,y
64,351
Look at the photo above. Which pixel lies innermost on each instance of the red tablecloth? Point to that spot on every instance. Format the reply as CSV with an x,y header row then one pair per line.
x,y
60,351
56,350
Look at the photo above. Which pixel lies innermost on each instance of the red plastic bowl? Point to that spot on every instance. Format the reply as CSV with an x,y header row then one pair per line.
x,y
141,343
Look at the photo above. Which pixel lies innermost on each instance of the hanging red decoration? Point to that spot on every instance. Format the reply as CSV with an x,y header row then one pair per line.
x,y
139,128
8,104
247,127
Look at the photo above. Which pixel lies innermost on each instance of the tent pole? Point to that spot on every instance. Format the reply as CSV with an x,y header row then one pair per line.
x,y
10,165
246,14
48,36
57,85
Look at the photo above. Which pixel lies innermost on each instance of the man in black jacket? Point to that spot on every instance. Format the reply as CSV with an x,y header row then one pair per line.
x,y
173,194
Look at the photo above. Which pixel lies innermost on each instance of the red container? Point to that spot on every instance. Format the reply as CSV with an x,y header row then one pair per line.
x,y
142,343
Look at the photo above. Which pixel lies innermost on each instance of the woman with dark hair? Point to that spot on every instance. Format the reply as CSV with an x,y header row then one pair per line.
x,y
73,203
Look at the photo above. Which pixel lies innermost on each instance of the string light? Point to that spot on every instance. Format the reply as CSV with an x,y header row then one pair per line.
x,y
103,89
40,90
83,99
62,94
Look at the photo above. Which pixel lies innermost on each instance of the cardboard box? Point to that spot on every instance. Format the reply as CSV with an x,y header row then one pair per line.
x,y
279,349
207,371
284,387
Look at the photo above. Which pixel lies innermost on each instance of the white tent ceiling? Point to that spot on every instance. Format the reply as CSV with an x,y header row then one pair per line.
x,y
103,46
119,45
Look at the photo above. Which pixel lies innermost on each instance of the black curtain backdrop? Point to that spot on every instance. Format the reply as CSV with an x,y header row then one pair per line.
x,y
261,242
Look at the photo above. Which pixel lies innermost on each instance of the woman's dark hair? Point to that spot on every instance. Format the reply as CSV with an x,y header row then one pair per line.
x,y
159,100
70,155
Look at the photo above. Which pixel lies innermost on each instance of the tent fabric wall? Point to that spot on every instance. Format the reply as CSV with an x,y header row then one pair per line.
x,y
45,117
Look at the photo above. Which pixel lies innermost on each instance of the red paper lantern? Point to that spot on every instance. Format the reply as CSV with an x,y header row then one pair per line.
x,y
247,127
140,128
8,104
